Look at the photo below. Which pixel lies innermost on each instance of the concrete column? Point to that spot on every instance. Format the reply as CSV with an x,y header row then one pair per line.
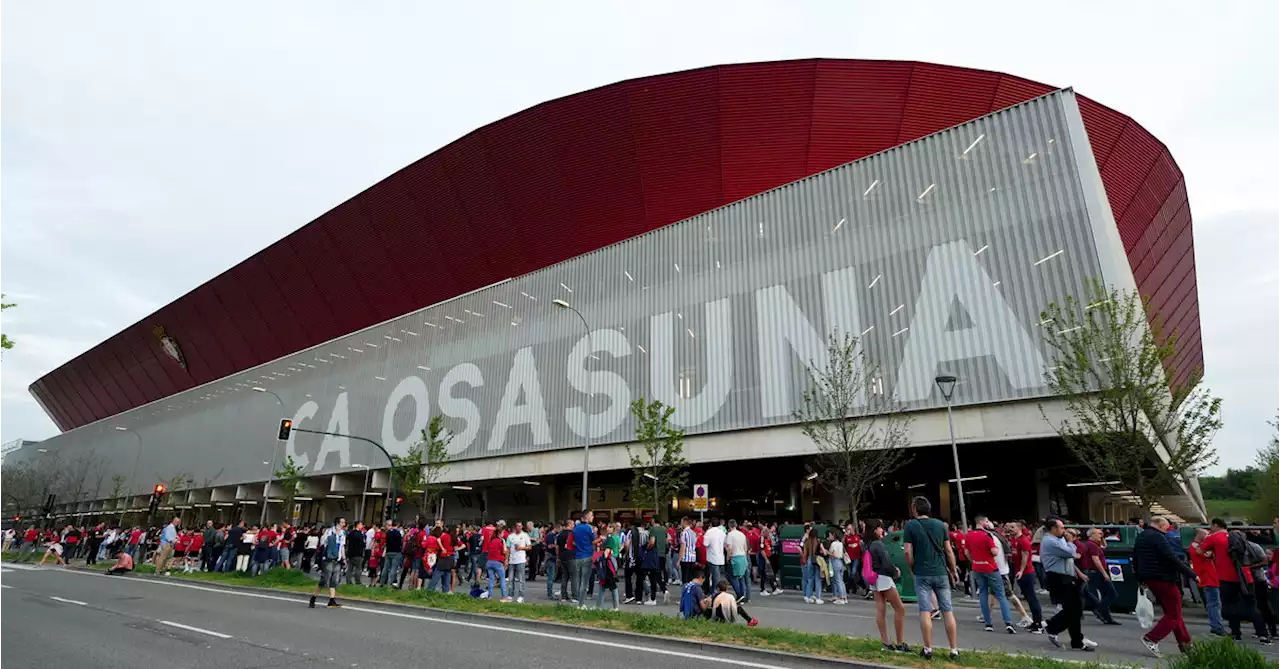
x,y
943,512
552,515
1042,493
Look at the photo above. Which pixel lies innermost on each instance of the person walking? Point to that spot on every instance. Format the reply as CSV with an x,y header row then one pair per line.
x,y
931,559
495,566
1058,557
1095,568
884,588
1024,574
659,547
810,575
983,554
1233,582
1208,580
332,558
1159,569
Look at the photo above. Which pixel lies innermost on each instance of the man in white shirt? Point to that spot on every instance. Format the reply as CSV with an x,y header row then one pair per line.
x,y
735,548
518,542
714,539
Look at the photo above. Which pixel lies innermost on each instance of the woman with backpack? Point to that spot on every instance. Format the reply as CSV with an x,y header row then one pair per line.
x,y
606,571
881,575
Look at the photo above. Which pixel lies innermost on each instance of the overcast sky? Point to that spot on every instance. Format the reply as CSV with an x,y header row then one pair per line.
x,y
146,147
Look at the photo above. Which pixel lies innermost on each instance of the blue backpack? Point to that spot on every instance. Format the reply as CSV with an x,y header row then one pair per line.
x,y
332,550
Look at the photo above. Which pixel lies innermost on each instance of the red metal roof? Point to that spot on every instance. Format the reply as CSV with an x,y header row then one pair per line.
x,y
575,174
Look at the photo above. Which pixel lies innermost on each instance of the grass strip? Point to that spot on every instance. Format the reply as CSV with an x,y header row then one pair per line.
x,y
771,638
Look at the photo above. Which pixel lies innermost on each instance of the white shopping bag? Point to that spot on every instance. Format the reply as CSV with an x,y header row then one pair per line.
x,y
1145,611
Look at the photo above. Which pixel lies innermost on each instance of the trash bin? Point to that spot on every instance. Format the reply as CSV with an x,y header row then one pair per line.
x,y
790,536
906,584
1119,552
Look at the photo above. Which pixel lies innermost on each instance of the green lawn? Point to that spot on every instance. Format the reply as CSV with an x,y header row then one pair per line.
x,y
1230,509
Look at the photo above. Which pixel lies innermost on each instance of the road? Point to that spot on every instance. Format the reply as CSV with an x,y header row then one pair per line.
x,y
144,622
70,618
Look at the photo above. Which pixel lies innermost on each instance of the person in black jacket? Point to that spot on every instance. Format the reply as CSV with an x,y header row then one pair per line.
x,y
1159,569
355,553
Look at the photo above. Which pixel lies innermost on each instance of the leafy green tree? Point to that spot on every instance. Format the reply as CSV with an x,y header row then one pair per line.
x,y
5,341
434,450
659,470
406,470
1267,506
289,479
861,435
1126,420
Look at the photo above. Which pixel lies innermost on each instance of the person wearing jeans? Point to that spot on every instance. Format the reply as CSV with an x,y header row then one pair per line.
x,y
391,564
1159,568
494,569
1208,578
984,551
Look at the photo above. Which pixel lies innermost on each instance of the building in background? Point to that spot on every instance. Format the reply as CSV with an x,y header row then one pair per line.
x,y
712,227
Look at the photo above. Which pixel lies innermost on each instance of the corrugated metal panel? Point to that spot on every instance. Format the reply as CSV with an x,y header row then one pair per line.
x,y
675,125
941,258
968,94
765,116
269,300
857,110
558,180
1014,90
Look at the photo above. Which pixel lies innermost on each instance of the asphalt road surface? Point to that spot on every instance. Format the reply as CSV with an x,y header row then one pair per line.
x,y
86,619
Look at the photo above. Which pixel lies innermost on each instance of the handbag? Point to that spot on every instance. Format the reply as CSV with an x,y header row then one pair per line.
x,y
1144,610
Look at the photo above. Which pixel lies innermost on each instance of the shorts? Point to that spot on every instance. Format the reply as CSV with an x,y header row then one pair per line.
x,y
329,572
56,548
931,588
884,583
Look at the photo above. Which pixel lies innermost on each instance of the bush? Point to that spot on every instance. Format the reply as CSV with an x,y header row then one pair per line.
x,y
1220,653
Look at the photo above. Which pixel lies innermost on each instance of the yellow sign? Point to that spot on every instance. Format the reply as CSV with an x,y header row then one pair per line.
x,y
701,498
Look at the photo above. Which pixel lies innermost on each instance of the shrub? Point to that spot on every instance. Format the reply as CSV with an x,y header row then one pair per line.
x,y
1220,653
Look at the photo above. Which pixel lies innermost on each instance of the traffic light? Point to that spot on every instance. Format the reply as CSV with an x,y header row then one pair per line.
x,y
393,509
156,494
286,426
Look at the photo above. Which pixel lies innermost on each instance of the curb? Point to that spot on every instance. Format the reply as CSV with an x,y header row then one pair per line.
x,y
774,657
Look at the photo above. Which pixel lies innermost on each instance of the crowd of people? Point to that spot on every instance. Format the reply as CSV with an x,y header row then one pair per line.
x,y
715,565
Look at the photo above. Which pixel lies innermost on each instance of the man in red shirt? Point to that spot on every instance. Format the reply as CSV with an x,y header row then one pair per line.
x,y
1207,576
135,540
1236,605
1098,588
983,550
29,540
956,534
1024,574
853,553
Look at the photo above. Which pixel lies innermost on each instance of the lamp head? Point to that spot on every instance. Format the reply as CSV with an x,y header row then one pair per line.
x,y
258,389
560,303
947,384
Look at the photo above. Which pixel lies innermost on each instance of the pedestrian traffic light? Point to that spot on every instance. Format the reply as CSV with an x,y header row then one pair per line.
x,y
286,426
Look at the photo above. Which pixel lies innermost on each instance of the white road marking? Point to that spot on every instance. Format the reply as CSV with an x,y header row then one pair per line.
x,y
561,637
189,628
68,601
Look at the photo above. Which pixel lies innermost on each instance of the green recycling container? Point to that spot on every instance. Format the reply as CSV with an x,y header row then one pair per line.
x,y
789,577
1119,552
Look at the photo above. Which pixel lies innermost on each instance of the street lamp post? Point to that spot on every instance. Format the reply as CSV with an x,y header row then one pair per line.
x,y
947,384
136,458
586,445
364,491
262,520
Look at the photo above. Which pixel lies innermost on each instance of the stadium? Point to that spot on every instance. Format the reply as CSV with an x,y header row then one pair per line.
x,y
706,229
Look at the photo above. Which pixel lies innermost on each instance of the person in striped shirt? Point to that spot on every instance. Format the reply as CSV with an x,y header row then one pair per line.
x,y
688,549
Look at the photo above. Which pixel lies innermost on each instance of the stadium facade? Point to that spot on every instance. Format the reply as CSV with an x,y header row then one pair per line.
x,y
713,228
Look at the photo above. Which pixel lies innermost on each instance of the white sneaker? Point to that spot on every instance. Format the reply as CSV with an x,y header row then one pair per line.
x,y
808,600
519,600
484,595
1151,646
764,593
1025,622
817,600
651,602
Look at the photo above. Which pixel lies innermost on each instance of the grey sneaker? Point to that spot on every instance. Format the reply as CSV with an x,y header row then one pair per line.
x,y
1152,646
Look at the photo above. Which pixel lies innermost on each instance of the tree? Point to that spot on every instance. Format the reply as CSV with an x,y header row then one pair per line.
x,y
1126,420
26,485
1268,462
117,486
289,479
658,468
434,460
861,435
5,341
74,479
406,470
180,481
